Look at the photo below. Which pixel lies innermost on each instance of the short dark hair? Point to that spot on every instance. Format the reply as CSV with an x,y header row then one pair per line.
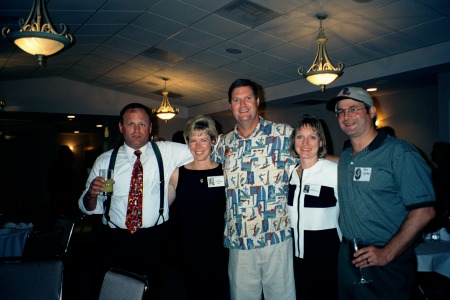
x,y
242,82
133,106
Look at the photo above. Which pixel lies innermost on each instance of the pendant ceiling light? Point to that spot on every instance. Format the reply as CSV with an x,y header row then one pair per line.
x,y
165,111
322,71
37,35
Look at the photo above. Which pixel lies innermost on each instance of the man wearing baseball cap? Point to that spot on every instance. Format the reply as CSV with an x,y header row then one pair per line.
x,y
386,199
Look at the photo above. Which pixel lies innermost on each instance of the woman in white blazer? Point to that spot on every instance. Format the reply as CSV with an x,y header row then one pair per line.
x,y
314,210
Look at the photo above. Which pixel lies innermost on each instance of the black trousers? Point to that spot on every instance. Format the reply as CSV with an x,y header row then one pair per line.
x,y
316,273
394,281
141,253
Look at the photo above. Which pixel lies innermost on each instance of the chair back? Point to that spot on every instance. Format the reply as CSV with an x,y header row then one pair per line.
x,y
44,244
31,279
123,285
67,224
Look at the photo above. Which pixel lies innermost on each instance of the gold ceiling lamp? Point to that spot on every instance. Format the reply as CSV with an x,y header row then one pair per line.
x,y
165,111
322,71
37,35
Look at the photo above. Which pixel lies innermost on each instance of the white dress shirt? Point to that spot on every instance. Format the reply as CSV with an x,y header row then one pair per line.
x,y
173,155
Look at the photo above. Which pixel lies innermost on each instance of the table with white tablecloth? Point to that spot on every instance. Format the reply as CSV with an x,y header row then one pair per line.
x,y
434,255
12,241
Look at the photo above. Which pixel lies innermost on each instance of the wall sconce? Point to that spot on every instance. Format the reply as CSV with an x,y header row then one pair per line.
x,y
37,35
165,111
322,71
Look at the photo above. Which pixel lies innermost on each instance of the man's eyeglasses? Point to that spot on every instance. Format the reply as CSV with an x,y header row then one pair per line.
x,y
351,111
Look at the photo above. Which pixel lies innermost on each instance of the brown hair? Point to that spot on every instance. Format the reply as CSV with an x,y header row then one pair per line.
x,y
316,125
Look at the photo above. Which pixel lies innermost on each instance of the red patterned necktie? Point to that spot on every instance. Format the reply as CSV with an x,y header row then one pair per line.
x,y
134,209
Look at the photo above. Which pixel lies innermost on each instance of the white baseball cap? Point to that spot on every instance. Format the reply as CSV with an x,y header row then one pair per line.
x,y
354,93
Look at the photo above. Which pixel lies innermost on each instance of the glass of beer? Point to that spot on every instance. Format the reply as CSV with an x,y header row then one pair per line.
x,y
108,175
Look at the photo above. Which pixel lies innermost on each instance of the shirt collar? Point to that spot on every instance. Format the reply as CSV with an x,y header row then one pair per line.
x,y
258,126
130,151
375,144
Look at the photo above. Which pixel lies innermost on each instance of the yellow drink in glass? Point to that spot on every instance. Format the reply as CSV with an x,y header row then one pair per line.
x,y
108,175
108,186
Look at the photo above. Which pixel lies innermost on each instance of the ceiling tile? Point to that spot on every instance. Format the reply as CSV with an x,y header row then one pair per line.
x,y
113,17
126,45
258,40
198,38
213,59
289,51
403,14
220,26
179,11
393,43
270,61
158,24
244,69
187,41
436,31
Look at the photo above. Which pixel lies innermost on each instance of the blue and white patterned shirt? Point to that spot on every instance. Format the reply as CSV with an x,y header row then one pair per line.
x,y
256,182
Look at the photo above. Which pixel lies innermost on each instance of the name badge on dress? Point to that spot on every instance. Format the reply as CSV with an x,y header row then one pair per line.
x,y
215,181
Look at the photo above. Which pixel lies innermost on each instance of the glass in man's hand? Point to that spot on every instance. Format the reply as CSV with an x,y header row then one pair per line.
x,y
353,246
108,175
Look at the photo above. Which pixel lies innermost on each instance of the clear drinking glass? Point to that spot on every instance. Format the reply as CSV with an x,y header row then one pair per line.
x,y
108,175
354,246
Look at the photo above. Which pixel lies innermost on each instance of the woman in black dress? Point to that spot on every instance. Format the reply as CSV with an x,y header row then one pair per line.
x,y
199,191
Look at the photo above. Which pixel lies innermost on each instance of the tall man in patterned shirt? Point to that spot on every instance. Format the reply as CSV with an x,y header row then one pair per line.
x,y
256,160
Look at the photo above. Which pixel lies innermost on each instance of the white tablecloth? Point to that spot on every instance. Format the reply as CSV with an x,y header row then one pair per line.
x,y
434,256
12,241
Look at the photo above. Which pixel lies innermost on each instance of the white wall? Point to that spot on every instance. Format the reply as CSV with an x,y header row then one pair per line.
x,y
413,115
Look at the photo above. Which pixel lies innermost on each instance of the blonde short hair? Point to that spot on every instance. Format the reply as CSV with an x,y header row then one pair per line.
x,y
200,123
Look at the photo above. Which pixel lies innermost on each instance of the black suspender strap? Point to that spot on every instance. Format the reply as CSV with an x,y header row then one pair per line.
x,y
161,181
107,202
112,162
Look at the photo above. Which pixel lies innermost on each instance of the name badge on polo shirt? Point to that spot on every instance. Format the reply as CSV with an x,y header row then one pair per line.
x,y
312,189
362,174
215,181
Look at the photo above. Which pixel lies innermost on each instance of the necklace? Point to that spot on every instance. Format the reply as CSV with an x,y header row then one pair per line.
x,y
201,169
200,175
